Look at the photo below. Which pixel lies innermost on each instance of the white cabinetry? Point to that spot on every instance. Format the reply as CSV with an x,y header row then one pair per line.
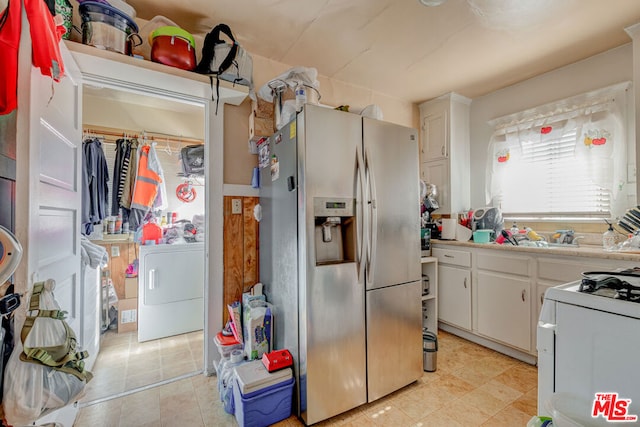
x,y
444,134
435,134
502,308
454,287
556,271
430,300
503,305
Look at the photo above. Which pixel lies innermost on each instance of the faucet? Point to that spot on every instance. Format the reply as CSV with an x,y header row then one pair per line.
x,y
574,241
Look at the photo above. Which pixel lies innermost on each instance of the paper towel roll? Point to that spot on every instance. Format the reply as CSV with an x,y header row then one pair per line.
x,y
448,228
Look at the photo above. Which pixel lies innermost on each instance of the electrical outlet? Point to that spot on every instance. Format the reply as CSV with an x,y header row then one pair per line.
x,y
236,206
115,251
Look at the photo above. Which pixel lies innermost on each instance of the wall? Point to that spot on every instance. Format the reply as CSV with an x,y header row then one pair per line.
x,y
238,162
613,66
241,246
334,92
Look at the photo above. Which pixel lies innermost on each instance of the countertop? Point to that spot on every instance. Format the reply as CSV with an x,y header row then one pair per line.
x,y
580,251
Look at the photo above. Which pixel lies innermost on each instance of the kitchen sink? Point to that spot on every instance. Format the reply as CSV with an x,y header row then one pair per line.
x,y
543,245
563,245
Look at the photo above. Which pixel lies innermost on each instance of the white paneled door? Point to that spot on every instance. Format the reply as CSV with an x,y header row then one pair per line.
x,y
48,196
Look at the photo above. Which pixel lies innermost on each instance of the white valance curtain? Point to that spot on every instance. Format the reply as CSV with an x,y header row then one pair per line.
x,y
567,157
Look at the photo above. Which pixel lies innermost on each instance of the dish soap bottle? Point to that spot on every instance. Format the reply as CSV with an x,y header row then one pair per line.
x,y
514,229
609,238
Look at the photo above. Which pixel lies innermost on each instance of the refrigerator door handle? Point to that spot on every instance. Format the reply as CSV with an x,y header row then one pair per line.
x,y
373,215
360,209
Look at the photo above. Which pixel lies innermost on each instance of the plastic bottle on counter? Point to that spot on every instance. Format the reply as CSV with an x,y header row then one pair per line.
x,y
532,235
301,96
514,229
609,238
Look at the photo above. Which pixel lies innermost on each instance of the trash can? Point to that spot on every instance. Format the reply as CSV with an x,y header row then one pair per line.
x,y
429,351
572,410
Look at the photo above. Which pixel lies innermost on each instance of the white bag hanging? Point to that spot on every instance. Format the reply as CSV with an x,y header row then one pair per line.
x,y
44,372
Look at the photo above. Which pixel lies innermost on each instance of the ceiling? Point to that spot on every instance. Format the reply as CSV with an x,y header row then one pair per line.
x,y
406,50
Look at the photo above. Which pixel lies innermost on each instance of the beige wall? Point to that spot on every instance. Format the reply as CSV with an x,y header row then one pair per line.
x,y
238,163
335,93
608,68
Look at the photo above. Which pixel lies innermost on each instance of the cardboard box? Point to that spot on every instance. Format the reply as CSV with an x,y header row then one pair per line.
x,y
127,315
130,287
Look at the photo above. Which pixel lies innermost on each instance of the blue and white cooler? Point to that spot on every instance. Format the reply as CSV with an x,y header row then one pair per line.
x,y
262,398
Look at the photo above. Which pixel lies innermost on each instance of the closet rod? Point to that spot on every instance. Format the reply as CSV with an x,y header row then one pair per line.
x,y
113,134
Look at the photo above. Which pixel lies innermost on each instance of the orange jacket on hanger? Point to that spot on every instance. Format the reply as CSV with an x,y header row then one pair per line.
x,y
147,183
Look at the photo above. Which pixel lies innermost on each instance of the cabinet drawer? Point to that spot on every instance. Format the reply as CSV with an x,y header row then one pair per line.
x,y
453,257
563,271
504,263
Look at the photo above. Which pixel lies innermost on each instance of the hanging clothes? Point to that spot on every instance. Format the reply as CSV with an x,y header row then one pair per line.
x,y
120,168
161,201
130,176
146,185
94,208
45,39
9,43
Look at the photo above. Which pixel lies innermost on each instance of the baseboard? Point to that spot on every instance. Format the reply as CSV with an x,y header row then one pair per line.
x,y
500,348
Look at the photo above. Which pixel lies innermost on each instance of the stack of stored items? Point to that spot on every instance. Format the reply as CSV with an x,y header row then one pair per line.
x,y
109,25
226,344
261,398
173,46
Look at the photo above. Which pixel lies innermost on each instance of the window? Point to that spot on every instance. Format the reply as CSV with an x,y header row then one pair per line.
x,y
567,159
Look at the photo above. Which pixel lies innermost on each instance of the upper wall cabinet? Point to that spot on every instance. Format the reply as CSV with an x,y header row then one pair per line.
x,y
435,135
444,153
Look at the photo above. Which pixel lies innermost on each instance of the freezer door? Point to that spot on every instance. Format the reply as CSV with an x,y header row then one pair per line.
x,y
393,191
394,338
279,236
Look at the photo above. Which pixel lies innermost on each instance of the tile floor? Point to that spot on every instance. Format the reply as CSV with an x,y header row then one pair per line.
x,y
473,386
124,364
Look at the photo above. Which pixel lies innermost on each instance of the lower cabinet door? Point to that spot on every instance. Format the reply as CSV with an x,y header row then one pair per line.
x,y
454,296
504,309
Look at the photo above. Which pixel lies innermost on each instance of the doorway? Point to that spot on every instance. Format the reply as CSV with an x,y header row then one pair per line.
x,y
114,116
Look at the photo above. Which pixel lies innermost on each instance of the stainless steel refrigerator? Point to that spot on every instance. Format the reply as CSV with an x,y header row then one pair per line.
x,y
340,256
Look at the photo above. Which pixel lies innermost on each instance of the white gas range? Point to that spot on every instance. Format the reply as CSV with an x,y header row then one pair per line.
x,y
589,342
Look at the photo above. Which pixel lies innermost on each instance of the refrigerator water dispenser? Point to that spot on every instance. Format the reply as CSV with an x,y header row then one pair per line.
x,y
334,230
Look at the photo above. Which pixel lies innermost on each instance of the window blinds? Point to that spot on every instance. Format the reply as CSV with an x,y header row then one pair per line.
x,y
563,159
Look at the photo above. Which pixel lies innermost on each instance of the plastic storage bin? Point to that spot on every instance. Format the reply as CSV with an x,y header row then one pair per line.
x,y
263,407
226,345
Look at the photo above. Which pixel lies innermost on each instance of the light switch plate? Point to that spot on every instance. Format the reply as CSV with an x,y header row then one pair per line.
x,y
236,206
115,251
